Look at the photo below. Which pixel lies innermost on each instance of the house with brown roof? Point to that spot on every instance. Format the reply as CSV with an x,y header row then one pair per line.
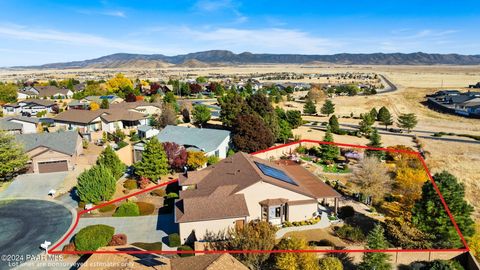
x,y
150,108
158,262
44,92
107,120
242,188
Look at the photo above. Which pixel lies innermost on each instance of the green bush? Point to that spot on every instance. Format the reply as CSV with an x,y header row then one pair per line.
x,y
350,233
145,208
174,240
330,263
127,209
172,195
121,144
212,160
346,211
185,248
107,208
158,192
96,184
157,246
93,237
130,184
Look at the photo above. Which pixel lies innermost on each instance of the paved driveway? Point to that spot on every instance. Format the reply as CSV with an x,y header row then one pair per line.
x,y
33,185
25,224
148,229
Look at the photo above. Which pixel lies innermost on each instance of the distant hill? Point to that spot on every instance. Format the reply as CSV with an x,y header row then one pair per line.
x,y
199,59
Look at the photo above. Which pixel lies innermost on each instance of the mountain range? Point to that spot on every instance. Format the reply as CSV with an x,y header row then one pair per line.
x,y
224,57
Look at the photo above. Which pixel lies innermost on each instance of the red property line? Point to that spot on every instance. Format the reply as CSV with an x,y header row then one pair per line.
x,y
417,154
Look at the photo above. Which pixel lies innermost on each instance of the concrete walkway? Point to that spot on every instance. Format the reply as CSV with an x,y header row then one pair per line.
x,y
322,224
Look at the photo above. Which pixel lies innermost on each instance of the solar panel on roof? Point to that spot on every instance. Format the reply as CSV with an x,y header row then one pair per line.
x,y
275,173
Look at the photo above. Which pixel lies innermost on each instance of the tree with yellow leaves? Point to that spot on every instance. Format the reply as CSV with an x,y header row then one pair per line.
x,y
474,242
196,159
295,260
408,184
94,106
118,83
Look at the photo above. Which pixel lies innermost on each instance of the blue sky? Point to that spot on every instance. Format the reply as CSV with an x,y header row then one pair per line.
x,y
38,32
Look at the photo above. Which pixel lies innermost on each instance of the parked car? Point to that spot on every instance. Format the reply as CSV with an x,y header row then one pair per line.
x,y
99,142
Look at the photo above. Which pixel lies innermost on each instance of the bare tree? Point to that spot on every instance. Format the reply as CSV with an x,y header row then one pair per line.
x,y
372,179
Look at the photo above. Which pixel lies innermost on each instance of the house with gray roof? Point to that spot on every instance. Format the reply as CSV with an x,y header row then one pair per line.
x,y
51,152
214,142
29,107
19,124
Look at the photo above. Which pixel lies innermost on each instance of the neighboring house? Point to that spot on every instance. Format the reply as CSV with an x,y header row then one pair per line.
x,y
214,142
112,99
51,152
152,261
26,93
28,107
154,108
113,119
19,124
242,188
82,120
456,102
147,132
52,91
107,120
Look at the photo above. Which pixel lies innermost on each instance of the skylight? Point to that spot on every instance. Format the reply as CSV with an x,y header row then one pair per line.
x,y
275,173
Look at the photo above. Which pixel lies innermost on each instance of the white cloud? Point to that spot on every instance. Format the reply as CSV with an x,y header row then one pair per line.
x,y
105,12
268,40
212,5
75,39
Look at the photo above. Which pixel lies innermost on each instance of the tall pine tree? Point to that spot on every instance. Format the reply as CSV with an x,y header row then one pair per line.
x,y
328,107
385,117
430,216
110,160
309,107
334,125
154,163
376,260
329,151
375,141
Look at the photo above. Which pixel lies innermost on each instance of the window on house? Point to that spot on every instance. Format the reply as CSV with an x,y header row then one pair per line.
x,y
217,153
277,212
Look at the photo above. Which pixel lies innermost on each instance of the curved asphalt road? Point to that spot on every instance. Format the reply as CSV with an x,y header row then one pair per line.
x,y
25,224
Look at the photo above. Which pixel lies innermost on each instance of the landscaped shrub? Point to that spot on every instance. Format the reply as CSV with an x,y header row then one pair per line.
x,y
127,209
157,246
143,182
322,243
346,212
330,263
174,240
93,237
130,184
69,247
301,150
212,160
350,233
185,248
107,208
121,144
118,240
172,195
145,208
81,205
158,192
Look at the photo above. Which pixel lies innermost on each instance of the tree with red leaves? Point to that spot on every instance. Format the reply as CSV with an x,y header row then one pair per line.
x,y
176,155
195,88
131,97
153,88
251,134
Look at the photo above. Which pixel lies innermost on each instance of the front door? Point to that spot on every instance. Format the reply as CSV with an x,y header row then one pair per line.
x,y
239,224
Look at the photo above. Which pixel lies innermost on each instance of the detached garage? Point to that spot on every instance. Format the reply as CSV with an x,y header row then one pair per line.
x,y
52,152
